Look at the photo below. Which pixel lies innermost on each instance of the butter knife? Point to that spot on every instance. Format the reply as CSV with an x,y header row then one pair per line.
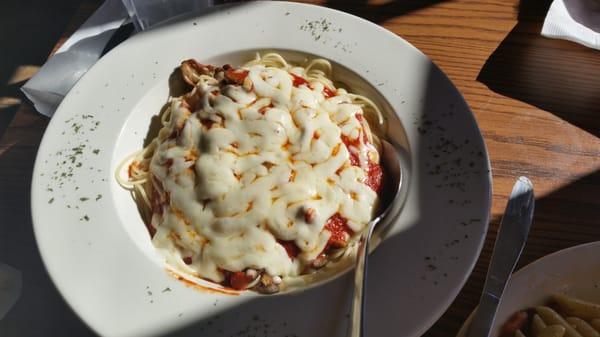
x,y
513,233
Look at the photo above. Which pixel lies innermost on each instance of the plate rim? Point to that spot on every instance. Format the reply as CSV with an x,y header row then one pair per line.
x,y
488,176
526,269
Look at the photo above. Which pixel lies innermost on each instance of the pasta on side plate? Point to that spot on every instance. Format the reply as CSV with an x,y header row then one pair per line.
x,y
565,316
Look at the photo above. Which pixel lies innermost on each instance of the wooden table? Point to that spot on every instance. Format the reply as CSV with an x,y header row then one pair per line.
x,y
537,102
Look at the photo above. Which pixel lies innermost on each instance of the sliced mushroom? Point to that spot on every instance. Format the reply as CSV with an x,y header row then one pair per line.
x,y
192,69
266,285
309,215
320,261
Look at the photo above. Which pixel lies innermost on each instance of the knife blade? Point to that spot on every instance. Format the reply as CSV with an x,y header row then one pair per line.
x,y
511,239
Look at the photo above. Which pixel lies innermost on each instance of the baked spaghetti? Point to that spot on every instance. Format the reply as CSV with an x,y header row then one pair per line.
x,y
260,174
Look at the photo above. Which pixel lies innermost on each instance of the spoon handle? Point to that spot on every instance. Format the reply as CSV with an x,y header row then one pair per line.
x,y
396,158
360,284
513,233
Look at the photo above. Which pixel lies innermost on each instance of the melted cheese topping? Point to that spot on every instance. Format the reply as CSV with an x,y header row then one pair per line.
x,y
244,168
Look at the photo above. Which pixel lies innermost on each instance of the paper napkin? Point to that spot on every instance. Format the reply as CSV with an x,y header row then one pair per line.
x,y
54,80
81,51
574,20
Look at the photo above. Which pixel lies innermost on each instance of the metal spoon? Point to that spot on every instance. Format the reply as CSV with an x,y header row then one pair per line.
x,y
513,233
392,155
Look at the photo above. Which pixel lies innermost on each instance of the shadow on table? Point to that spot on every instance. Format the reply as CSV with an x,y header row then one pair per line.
x,y
569,215
558,76
562,78
380,12
29,30
40,311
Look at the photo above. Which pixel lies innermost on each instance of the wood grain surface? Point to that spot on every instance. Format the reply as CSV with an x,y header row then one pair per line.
x,y
537,102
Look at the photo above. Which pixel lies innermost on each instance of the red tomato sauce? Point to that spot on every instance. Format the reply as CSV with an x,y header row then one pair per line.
x,y
374,171
327,92
156,209
207,123
359,117
264,109
290,247
238,280
374,177
236,75
354,160
337,225
298,81
195,285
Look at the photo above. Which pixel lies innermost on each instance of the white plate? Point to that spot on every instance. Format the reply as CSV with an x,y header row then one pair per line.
x,y
98,252
574,271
